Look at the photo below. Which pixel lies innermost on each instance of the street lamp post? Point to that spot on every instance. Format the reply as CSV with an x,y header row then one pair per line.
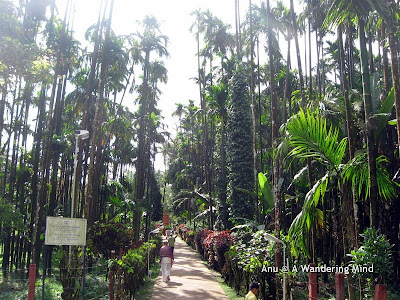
x,y
275,239
155,231
79,135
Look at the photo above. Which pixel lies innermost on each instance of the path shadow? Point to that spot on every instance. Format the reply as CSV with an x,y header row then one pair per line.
x,y
174,284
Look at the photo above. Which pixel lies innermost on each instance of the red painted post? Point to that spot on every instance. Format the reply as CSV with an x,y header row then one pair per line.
x,y
312,284
112,278
380,292
339,285
119,285
32,281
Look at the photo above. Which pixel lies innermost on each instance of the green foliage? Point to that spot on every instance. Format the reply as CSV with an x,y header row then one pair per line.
x,y
266,190
9,217
310,137
134,265
384,113
155,198
239,150
356,172
253,254
104,237
375,251
247,261
187,235
265,193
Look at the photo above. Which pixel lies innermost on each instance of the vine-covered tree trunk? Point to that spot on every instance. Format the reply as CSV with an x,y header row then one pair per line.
x,y
239,151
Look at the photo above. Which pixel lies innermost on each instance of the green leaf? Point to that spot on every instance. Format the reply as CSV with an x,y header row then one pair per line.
x,y
384,113
266,190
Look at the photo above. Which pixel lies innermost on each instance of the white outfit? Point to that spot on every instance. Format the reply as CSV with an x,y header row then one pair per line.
x,y
166,263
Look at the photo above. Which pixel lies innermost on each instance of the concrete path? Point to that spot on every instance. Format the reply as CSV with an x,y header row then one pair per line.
x,y
190,278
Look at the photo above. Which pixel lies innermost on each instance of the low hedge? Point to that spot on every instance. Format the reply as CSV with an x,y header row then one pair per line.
x,y
239,260
199,238
134,265
215,245
187,235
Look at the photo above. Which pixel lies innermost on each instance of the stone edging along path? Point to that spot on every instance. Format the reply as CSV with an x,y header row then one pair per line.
x,y
190,278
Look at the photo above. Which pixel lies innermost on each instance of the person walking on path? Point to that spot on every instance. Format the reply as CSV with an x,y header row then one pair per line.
x,y
253,291
166,260
191,280
171,242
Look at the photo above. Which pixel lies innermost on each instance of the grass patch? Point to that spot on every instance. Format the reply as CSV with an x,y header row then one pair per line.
x,y
15,288
96,286
18,290
146,290
229,291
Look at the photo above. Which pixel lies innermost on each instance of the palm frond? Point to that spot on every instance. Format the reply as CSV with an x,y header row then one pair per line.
x,y
310,137
357,173
309,216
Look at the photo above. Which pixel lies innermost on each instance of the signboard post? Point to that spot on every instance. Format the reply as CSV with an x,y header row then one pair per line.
x,y
165,219
65,231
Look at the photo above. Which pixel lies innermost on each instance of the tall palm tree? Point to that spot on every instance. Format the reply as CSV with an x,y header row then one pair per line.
x,y
340,10
217,98
95,142
393,22
149,41
299,66
310,136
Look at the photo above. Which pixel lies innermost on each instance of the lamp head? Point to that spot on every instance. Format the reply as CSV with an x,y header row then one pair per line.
x,y
82,134
273,239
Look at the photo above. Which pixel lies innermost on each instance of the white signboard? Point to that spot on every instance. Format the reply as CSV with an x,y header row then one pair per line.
x,y
65,231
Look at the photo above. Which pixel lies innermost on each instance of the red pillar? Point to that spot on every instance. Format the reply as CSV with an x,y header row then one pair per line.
x,y
339,285
112,278
32,281
119,282
312,284
380,292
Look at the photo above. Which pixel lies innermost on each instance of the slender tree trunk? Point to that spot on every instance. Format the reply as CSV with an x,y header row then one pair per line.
x,y
39,224
274,141
345,89
394,55
36,161
351,218
310,87
296,39
369,124
254,114
287,91
96,128
385,60
260,133
2,107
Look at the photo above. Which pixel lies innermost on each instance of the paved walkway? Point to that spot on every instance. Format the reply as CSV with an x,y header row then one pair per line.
x,y
190,278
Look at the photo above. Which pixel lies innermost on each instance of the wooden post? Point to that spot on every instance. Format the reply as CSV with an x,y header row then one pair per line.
x,y
312,284
380,292
32,281
112,278
339,285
